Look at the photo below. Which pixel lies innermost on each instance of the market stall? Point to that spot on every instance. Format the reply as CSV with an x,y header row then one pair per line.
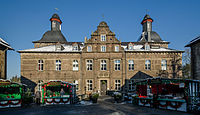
x,y
58,92
163,93
10,94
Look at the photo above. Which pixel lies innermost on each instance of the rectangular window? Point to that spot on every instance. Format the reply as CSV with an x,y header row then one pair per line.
x,y
117,84
116,48
164,64
131,85
103,37
117,64
103,48
130,65
76,83
103,65
89,85
58,65
75,65
89,65
89,48
40,65
148,64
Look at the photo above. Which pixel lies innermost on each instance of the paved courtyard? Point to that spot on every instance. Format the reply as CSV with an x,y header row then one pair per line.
x,y
105,106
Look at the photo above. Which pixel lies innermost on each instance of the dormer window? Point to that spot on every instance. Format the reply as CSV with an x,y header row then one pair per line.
x,y
89,48
147,46
103,37
59,47
75,48
130,46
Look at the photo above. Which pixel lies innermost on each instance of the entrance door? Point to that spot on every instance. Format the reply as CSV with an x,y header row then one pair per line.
x,y
103,87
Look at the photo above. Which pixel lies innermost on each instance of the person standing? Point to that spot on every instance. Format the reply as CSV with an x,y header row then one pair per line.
x,y
38,96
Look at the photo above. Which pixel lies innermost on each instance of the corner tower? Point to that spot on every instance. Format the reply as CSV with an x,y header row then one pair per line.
x,y
52,36
147,34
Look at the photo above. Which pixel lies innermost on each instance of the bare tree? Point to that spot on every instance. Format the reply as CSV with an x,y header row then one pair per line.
x,y
15,79
186,68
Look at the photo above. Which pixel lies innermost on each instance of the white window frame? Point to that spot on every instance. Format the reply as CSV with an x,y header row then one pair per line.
x,y
89,48
117,64
130,47
117,48
103,65
163,64
89,85
58,65
131,86
77,85
89,65
40,65
103,48
103,37
147,64
75,65
118,85
130,65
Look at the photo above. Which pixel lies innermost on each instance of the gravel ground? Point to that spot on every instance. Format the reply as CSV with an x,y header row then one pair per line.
x,y
105,106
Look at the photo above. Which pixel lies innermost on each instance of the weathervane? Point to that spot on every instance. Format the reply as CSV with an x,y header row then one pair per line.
x,y
56,9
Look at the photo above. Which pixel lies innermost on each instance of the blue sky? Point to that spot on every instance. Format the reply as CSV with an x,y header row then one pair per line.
x,y
24,21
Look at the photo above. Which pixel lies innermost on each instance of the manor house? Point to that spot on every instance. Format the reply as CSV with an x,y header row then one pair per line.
x,y
102,62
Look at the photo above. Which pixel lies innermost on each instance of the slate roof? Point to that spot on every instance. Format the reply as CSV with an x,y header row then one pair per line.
x,y
68,47
52,36
5,44
194,41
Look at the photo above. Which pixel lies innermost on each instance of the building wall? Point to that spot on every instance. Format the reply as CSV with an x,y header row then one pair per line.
x,y
195,60
31,75
3,63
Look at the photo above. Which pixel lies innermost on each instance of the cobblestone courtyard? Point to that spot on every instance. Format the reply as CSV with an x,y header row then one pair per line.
x,y
105,106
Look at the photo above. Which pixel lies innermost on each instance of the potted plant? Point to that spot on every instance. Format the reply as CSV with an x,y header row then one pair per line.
x,y
94,97
117,97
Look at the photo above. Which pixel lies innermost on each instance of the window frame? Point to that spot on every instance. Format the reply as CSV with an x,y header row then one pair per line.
x,y
117,65
118,84
58,65
89,65
131,65
103,65
77,84
117,49
103,37
103,48
163,64
89,84
40,65
147,64
89,49
75,65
